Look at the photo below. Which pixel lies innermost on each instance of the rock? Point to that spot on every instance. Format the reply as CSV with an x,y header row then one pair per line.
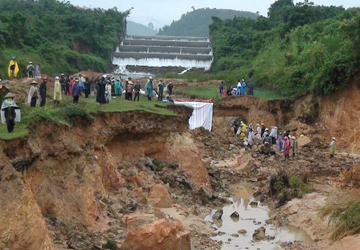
x,y
244,161
254,204
303,141
218,214
242,231
163,234
259,234
115,209
235,216
159,196
206,192
138,219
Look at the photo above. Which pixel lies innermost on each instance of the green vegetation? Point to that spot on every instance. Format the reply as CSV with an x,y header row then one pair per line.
x,y
19,131
196,23
69,114
212,91
287,186
345,217
139,29
297,49
58,36
201,91
110,244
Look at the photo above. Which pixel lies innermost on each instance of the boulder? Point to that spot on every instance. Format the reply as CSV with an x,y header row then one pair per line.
x,y
137,219
303,141
218,214
235,216
259,234
163,234
244,161
159,196
115,209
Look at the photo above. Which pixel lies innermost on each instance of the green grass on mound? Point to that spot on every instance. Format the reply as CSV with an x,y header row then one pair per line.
x,y
68,113
212,91
20,131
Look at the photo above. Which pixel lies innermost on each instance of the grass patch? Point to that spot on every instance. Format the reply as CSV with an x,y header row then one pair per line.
x,y
20,131
267,95
345,217
286,186
204,91
69,114
212,91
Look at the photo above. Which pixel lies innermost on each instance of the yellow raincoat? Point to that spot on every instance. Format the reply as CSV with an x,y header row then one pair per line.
x,y
243,129
16,69
57,91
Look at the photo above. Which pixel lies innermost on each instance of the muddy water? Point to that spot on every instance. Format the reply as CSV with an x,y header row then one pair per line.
x,y
252,216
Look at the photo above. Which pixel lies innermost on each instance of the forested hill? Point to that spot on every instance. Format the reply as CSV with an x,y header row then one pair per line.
x,y
196,23
296,49
58,35
139,29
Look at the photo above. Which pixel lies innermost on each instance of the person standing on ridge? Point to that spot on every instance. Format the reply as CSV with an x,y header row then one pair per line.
x,y
229,88
37,71
149,88
170,88
57,91
137,90
30,70
251,88
238,88
160,91
76,91
243,87
87,87
100,91
62,82
71,84
108,91
43,89
8,107
13,68
221,87
67,84
332,147
118,87
33,94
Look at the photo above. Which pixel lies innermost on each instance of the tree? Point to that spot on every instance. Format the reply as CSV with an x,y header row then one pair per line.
x,y
151,25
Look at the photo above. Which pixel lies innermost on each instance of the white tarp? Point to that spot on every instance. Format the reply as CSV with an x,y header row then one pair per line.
x,y
17,119
201,116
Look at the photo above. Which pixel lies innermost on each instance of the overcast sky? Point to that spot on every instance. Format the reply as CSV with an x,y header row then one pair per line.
x,y
163,12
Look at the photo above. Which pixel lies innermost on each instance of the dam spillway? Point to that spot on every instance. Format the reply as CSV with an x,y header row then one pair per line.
x,y
162,51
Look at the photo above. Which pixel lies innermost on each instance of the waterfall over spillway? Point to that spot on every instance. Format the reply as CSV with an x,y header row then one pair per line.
x,y
162,51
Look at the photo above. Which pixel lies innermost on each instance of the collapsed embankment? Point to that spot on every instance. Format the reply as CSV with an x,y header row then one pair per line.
x,y
318,117
63,173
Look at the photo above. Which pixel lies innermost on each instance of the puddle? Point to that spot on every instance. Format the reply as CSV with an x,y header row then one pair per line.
x,y
252,216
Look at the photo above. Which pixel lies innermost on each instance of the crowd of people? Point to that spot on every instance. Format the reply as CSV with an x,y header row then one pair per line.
x,y
105,88
241,88
271,139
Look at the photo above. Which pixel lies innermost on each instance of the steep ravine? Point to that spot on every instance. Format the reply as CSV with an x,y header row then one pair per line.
x,y
63,173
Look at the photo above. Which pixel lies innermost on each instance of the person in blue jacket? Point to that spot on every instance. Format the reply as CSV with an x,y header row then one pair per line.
x,y
243,87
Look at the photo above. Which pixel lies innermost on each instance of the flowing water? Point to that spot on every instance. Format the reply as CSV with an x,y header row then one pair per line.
x,y
252,215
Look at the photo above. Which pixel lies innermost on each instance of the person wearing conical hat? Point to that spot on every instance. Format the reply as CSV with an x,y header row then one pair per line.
x,y
33,94
57,91
332,147
8,111
13,68
30,70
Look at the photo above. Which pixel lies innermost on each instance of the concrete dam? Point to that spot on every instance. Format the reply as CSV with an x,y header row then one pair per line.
x,y
162,51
